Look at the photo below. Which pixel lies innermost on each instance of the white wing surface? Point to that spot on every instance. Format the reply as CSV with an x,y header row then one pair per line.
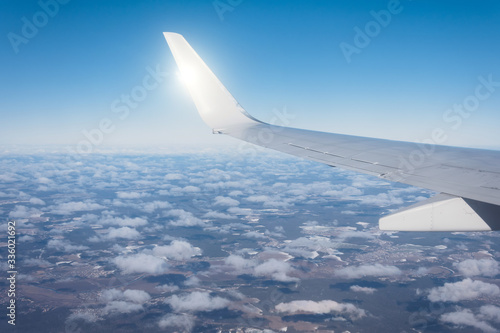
x,y
468,179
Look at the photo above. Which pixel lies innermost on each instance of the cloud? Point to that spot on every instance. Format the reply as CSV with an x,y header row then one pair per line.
x,y
226,201
467,318
150,207
123,221
36,262
184,322
141,263
130,295
239,263
185,219
197,301
308,247
192,281
65,246
122,307
217,215
463,290
173,176
23,212
381,200
25,238
177,250
131,195
87,316
272,268
367,270
490,312
344,193
36,201
124,232
365,290
167,288
321,307
68,208
473,267
254,234
277,270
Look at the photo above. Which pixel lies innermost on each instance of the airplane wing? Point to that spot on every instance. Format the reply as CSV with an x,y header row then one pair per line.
x,y
468,180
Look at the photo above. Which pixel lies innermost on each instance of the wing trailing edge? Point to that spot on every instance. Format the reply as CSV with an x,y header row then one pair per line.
x,y
470,177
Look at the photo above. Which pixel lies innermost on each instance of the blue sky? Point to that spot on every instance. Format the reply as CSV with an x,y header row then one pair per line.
x,y
272,55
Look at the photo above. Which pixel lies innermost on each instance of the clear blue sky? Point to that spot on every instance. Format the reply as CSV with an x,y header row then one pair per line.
x,y
269,54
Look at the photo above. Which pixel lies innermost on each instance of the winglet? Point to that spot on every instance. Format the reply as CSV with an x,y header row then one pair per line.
x,y
216,105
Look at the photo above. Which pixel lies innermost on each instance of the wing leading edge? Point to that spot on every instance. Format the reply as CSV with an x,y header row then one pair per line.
x,y
469,179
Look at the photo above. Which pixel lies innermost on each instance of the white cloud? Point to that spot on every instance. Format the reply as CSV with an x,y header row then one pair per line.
x,y
277,270
185,322
177,250
367,270
365,290
185,219
87,316
173,176
123,221
381,200
258,198
226,201
124,232
192,281
321,307
122,307
473,267
239,263
272,268
141,263
167,288
36,201
36,262
254,234
344,193
218,215
150,207
131,195
23,212
63,245
25,238
467,318
68,208
196,301
463,290
131,295
490,312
